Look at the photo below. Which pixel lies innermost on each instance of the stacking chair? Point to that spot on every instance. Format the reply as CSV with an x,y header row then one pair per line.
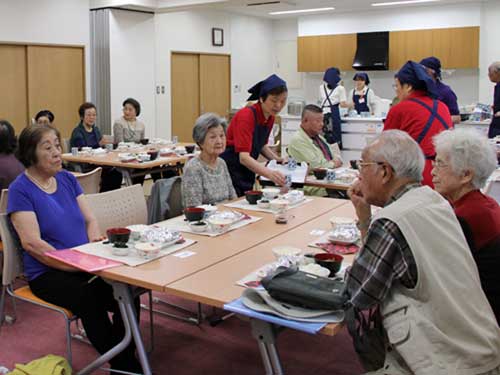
x,y
13,269
119,208
90,181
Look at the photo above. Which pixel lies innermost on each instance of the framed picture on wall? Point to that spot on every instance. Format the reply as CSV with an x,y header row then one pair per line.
x,y
217,37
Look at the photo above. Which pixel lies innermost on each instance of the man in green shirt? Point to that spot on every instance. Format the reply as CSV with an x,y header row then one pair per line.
x,y
310,146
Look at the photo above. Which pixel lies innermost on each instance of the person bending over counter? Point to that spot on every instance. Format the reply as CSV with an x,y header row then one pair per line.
x,y
248,134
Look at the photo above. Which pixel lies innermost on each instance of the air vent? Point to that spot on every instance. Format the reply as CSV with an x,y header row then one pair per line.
x,y
263,3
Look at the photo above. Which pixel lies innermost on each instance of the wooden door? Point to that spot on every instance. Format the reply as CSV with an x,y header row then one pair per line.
x,y
56,81
185,93
215,85
13,83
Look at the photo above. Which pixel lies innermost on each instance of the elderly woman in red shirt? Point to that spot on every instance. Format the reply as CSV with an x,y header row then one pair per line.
x,y
464,161
418,113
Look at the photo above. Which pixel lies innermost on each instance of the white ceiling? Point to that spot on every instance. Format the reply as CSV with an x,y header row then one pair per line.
x,y
245,7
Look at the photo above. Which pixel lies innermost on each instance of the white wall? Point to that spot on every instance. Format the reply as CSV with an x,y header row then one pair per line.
x,y
251,55
132,64
47,21
489,46
465,82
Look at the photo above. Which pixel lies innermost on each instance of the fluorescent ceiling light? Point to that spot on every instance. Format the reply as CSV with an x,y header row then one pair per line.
x,y
301,11
402,2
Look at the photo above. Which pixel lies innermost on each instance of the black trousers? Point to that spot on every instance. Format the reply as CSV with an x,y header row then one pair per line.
x,y
91,302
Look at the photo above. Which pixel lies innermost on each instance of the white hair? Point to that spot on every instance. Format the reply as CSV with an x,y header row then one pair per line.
x,y
496,66
401,151
468,150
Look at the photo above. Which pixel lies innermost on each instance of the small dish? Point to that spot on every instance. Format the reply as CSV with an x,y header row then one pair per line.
x,y
338,221
118,235
120,251
147,250
136,231
279,205
190,148
263,203
280,251
315,269
144,141
252,196
194,213
198,226
270,192
319,173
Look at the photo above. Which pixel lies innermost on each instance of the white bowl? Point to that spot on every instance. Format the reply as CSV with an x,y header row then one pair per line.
x,y
198,226
280,251
315,269
119,251
279,205
263,203
147,250
270,192
219,225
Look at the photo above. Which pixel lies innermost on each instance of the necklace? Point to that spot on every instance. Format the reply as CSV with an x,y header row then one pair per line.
x,y
38,183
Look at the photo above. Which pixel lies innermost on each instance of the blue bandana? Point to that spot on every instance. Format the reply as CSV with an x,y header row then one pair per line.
x,y
263,87
434,64
332,77
362,76
416,75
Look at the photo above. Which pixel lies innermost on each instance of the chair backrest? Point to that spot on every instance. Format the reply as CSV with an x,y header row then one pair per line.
x,y
3,200
66,145
12,251
119,208
91,181
175,200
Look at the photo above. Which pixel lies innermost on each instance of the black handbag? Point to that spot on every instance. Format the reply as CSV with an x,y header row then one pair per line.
x,y
305,290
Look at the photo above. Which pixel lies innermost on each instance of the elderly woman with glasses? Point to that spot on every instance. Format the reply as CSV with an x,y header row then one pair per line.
x,y
206,179
464,161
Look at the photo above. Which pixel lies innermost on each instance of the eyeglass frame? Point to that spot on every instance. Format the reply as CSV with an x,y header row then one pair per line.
x,y
438,164
362,163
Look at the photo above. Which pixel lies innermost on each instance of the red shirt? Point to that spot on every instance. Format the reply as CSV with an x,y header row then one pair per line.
x,y
412,117
482,214
240,130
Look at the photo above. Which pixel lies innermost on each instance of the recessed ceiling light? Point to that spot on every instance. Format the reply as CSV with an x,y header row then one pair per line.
x,y
301,11
402,2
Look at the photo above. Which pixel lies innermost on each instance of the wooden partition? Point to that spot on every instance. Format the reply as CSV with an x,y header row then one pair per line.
x,y
13,85
35,77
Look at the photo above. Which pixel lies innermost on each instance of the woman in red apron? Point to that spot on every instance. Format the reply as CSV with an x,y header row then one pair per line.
x,y
419,113
248,134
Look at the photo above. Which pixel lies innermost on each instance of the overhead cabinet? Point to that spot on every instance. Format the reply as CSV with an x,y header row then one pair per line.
x,y
458,48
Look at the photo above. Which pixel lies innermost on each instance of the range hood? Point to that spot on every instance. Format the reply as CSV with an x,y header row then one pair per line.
x,y
372,52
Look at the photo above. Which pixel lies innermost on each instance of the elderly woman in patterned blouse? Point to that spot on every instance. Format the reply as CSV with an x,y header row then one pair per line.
x,y
206,179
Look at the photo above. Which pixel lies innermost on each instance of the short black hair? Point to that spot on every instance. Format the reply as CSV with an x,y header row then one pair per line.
x,y
45,113
134,103
311,108
275,92
84,107
8,140
28,141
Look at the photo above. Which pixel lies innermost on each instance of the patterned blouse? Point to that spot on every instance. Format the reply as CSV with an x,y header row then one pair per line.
x,y
202,184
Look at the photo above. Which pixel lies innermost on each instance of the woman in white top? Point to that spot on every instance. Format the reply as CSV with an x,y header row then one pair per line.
x,y
362,98
128,128
332,95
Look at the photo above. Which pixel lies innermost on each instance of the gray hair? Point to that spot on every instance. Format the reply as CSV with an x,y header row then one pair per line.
x,y
496,66
468,150
401,151
206,122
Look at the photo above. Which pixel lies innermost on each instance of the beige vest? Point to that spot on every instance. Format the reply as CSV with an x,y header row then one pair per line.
x,y
445,325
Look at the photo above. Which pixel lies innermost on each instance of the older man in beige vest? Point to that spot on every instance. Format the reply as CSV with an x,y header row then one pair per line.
x,y
415,266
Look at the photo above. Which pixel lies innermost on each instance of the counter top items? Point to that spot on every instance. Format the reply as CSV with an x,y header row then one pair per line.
x,y
298,174
244,205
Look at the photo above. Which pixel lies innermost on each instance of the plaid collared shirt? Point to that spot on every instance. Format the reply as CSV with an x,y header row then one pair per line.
x,y
384,259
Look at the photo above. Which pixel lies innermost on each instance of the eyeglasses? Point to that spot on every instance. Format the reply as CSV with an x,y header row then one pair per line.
x,y
362,164
439,164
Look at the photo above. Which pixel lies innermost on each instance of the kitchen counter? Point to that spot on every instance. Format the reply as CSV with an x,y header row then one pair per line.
x,y
481,126
357,132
